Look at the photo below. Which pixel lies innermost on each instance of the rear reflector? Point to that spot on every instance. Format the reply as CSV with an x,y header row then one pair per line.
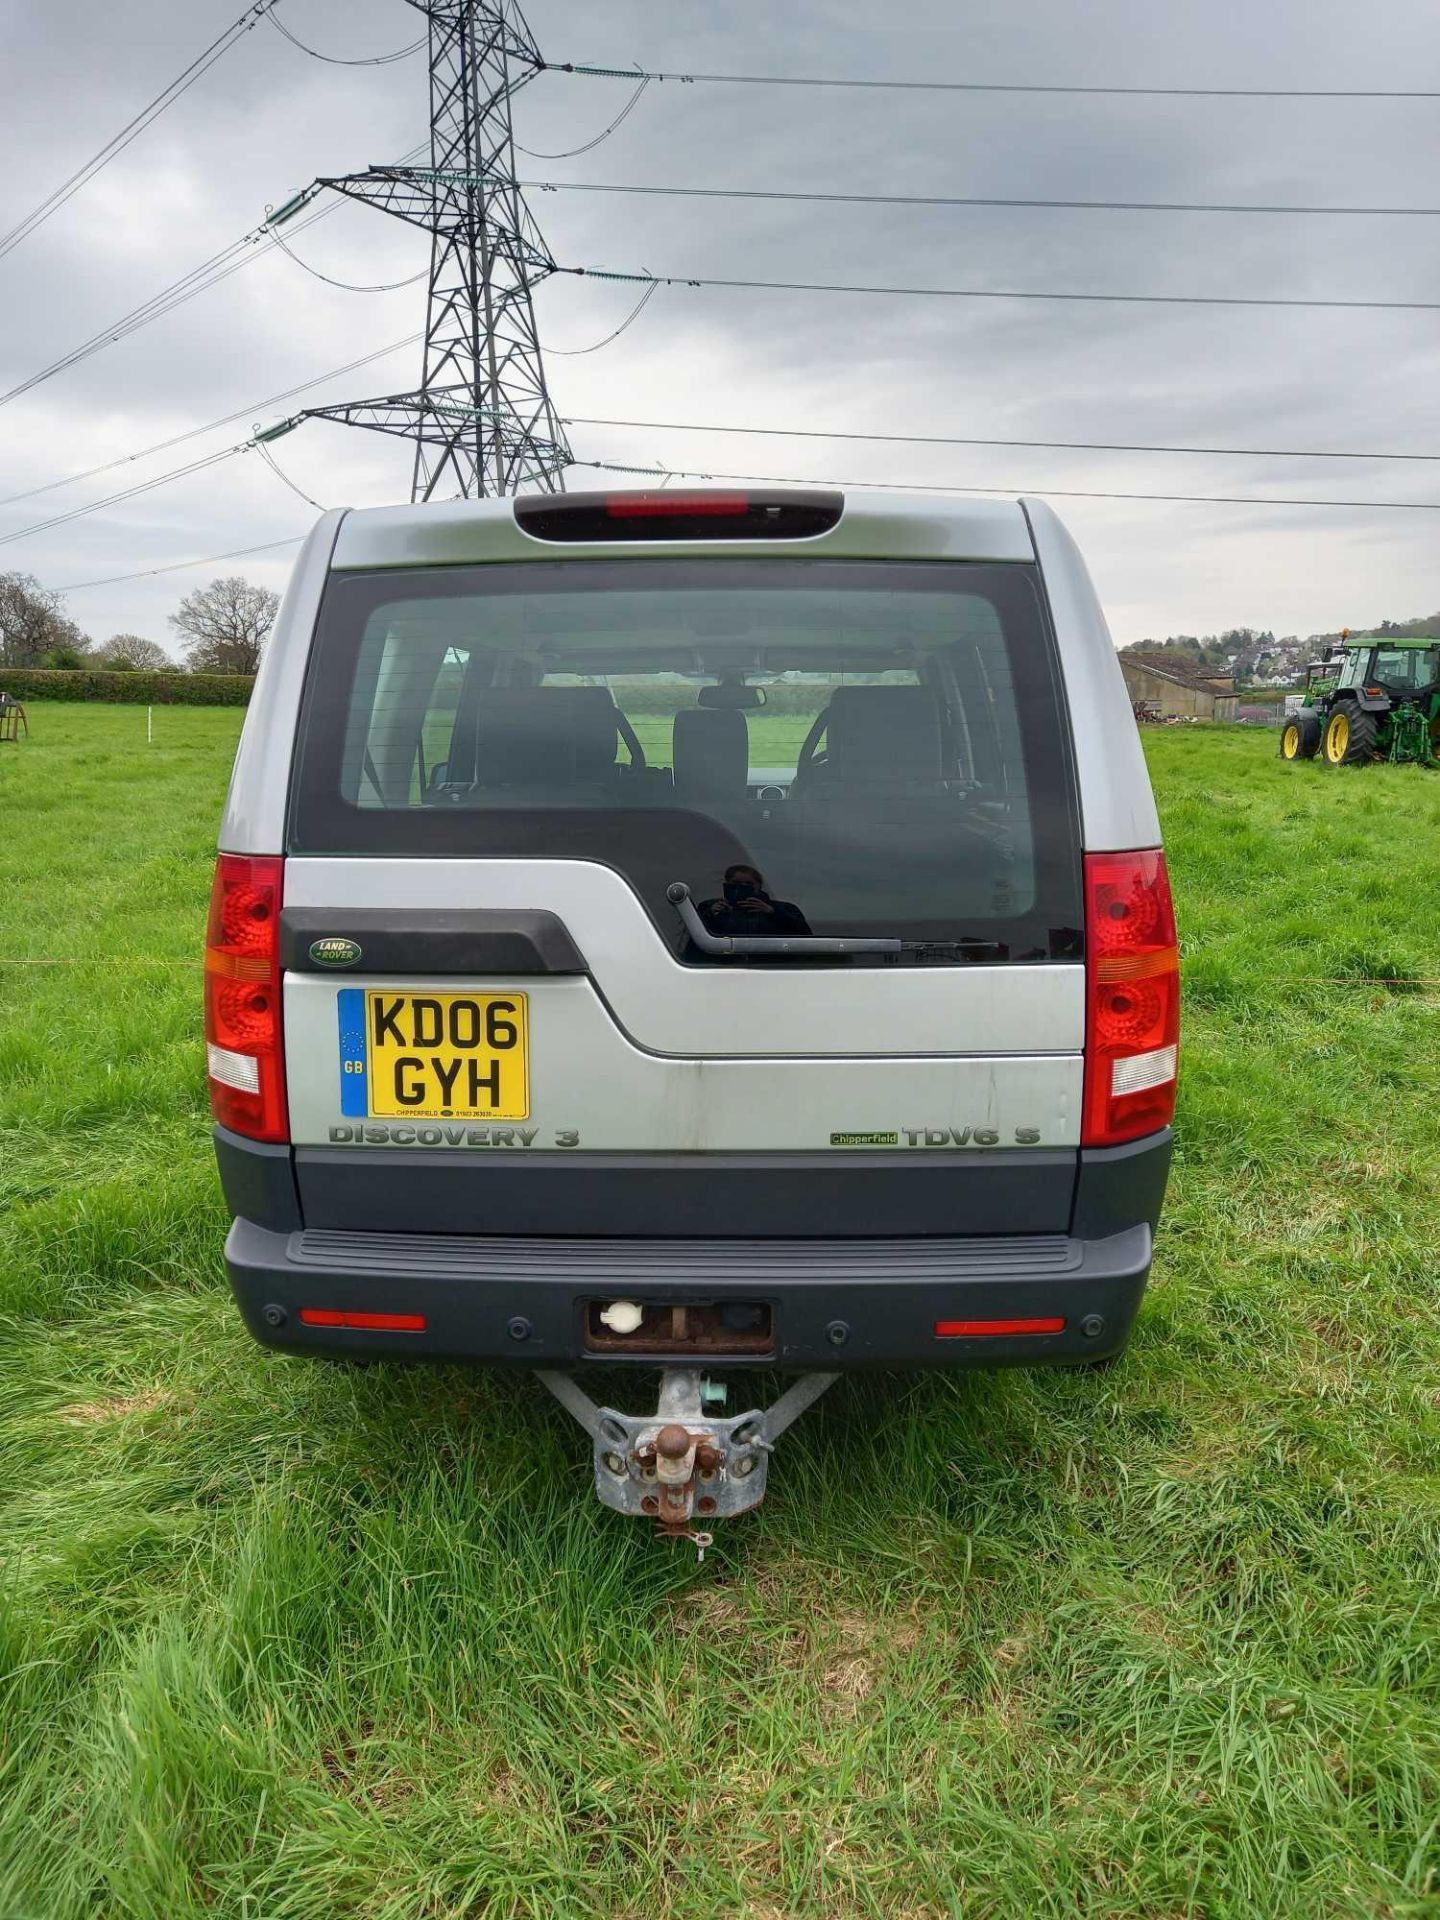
x,y
980,1329
364,1322
1132,997
243,1049
759,513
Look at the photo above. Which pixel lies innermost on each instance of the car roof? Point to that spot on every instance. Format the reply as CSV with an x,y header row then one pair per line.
x,y
872,525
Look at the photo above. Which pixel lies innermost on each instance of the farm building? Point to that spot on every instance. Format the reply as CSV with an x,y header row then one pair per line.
x,y
1176,689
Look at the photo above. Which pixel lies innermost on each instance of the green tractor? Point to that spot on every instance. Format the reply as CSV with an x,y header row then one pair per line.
x,y
1373,697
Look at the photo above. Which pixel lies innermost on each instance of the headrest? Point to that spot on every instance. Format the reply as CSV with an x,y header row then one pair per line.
x,y
883,732
594,720
711,753
544,736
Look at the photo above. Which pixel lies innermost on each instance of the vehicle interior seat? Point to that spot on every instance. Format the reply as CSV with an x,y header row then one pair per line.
x,y
880,737
545,739
876,817
710,754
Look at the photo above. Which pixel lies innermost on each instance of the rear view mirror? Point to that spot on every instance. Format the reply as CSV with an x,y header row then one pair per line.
x,y
731,693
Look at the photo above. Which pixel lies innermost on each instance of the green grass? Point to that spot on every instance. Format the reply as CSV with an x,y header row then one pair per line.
x,y
288,1640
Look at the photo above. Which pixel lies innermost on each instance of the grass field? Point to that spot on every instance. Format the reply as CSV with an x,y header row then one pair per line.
x,y
284,1641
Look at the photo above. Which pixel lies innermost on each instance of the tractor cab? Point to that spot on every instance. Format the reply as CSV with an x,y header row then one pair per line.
x,y
1405,670
1373,697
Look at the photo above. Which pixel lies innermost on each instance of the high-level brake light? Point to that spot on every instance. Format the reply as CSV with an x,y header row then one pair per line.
x,y
243,1042
656,514
669,506
1132,1010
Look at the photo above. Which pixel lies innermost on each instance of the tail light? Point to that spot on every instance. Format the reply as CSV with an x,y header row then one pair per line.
x,y
1132,998
243,1040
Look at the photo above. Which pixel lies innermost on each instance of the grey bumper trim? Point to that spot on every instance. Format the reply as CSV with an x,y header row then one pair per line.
x,y
686,1263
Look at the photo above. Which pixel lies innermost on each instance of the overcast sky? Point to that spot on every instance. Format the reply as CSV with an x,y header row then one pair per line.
x,y
267,119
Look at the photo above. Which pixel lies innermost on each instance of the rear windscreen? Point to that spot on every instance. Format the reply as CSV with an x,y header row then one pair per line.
x,y
828,748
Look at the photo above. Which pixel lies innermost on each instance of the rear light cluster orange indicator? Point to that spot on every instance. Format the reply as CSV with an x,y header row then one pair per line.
x,y
982,1329
1132,994
243,1040
363,1322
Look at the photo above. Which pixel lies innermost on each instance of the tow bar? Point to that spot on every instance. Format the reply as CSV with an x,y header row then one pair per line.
x,y
681,1463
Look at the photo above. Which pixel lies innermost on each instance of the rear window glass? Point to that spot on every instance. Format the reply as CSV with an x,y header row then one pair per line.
x,y
824,748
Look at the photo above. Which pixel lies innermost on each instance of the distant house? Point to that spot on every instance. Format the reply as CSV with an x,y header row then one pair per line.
x,y
1175,688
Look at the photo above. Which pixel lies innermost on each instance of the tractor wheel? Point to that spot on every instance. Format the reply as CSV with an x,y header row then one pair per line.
x,y
1350,735
1300,735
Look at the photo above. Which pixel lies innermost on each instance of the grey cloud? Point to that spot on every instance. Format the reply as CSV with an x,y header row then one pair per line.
x,y
268,119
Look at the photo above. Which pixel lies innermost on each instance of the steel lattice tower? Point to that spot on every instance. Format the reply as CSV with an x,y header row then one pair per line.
x,y
482,419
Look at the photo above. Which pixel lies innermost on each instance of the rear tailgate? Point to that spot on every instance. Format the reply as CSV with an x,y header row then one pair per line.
x,y
492,797
952,1066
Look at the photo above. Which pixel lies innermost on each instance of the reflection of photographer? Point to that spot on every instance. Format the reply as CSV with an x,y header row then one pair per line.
x,y
747,911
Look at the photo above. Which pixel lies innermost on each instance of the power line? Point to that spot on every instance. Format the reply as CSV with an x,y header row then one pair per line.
x,y
132,129
571,153
768,479
629,320
995,86
250,246
1052,493
128,493
284,478
975,440
178,566
1010,293
225,420
334,60
346,286
961,200
199,280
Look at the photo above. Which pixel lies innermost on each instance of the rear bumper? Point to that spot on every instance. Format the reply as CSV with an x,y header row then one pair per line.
x,y
833,1303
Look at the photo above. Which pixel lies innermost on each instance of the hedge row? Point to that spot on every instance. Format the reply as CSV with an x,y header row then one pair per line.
x,y
133,688
233,690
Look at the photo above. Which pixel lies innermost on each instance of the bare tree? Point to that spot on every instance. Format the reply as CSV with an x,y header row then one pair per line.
x,y
223,627
31,623
133,650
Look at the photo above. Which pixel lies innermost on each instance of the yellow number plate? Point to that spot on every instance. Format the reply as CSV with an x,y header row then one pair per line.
x,y
448,1056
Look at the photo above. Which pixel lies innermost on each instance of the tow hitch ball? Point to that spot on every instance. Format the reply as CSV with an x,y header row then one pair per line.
x,y
684,1464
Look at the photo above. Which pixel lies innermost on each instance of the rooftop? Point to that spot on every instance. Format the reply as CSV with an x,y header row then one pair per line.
x,y
1183,672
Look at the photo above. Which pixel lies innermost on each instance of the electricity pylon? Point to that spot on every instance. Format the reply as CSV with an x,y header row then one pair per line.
x,y
482,419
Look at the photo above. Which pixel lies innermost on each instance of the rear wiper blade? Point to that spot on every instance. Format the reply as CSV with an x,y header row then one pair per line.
x,y
801,945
